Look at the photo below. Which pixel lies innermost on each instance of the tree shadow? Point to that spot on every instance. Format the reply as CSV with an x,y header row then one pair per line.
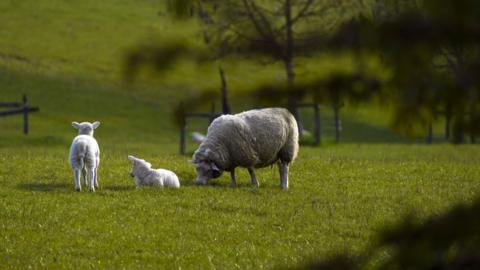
x,y
44,187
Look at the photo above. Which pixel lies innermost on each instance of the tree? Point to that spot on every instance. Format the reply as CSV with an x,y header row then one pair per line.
x,y
432,56
278,30
426,48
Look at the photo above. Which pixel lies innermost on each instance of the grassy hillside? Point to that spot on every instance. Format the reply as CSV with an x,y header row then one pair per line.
x,y
80,46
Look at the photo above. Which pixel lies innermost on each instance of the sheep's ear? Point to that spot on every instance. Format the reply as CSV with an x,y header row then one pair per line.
x,y
76,125
95,124
131,158
215,170
148,164
214,167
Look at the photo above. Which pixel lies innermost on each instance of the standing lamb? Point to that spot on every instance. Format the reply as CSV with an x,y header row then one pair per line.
x,y
146,176
85,155
252,139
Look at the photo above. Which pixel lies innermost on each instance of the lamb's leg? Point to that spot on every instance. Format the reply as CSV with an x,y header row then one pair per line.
x,y
253,177
233,181
96,176
283,169
76,174
91,177
84,176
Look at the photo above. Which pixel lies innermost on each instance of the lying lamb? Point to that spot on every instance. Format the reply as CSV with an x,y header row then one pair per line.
x,y
145,176
252,139
85,155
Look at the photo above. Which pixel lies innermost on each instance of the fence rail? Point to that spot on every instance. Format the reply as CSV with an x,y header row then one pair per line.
x,y
19,108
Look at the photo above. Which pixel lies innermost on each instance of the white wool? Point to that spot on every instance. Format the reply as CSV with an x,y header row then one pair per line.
x,y
85,155
146,176
252,139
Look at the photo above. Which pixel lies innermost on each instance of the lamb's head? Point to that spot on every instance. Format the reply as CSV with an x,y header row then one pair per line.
x,y
85,128
205,167
138,166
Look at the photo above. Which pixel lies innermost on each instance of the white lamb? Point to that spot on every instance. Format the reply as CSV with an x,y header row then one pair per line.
x,y
85,155
252,139
146,176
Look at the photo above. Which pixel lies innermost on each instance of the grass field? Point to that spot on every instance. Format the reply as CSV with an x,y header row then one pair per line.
x,y
339,197
67,57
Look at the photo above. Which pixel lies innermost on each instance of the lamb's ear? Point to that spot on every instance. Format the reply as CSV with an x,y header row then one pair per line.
x,y
76,125
148,164
95,124
131,158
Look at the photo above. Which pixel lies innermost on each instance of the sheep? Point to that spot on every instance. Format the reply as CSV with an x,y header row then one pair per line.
x,y
144,175
252,139
85,155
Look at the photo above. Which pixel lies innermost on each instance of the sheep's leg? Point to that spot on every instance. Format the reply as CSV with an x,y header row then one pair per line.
x,y
283,169
76,174
91,177
233,181
84,176
253,177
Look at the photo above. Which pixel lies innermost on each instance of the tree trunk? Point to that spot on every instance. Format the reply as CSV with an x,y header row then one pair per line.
x,y
288,59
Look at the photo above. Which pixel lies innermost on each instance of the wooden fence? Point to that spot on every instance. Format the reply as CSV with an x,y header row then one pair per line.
x,y
14,108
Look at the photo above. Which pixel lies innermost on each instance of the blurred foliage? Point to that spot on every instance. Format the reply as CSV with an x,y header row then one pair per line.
x,y
430,47
259,27
434,56
447,241
161,57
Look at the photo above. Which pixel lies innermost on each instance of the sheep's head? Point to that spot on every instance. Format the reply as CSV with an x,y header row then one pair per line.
x,y
85,128
138,166
205,167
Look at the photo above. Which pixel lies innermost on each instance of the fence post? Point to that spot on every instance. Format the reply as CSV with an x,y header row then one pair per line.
x,y
336,110
447,126
25,115
212,114
429,133
472,128
224,90
317,124
183,123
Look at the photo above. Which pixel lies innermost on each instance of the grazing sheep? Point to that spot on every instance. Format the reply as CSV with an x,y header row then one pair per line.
x,y
252,139
146,176
85,155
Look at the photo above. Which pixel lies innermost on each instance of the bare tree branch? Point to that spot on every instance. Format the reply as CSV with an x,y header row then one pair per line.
x,y
253,18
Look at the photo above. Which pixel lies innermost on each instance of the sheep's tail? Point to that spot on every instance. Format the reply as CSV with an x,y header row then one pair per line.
x,y
290,149
78,154
81,150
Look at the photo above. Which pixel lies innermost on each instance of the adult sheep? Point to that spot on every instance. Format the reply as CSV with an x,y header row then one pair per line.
x,y
251,139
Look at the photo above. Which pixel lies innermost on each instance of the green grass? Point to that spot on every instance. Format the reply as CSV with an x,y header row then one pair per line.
x,y
67,57
338,198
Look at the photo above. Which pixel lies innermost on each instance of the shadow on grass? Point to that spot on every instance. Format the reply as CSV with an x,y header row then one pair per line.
x,y
119,188
23,141
45,187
